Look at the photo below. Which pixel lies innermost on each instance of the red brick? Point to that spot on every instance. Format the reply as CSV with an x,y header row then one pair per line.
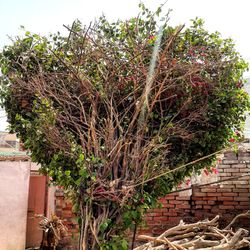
x,y
210,202
200,202
162,200
178,202
153,223
157,210
225,174
171,210
170,197
163,218
198,207
174,219
244,170
183,206
230,155
230,203
229,194
213,194
245,178
242,186
207,190
230,161
225,198
155,214
170,214
225,190
226,207
242,207
210,198
199,194
245,194
241,199
173,194
199,213
183,198
168,205
231,170
223,166
245,203
197,198
215,209
228,186
243,154
240,190
240,182
244,159
207,207
224,178
239,166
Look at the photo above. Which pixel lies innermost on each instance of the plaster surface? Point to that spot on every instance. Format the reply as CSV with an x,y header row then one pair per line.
x,y
14,186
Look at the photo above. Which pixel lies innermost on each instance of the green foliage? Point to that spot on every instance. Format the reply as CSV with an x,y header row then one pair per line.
x,y
201,108
116,243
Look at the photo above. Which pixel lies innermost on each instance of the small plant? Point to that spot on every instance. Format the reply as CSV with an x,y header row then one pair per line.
x,y
54,231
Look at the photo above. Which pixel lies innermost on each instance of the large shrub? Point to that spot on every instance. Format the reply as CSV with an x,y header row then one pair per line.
x,y
109,108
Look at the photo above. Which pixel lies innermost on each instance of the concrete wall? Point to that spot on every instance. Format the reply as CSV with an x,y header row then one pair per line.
x,y
14,184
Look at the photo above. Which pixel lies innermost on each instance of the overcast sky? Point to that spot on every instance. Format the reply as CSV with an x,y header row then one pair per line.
x,y
230,17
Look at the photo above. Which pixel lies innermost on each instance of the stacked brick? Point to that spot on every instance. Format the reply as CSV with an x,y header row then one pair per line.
x,y
174,208
63,209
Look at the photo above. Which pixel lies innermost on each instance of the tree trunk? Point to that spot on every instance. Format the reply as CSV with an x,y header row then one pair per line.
x,y
93,216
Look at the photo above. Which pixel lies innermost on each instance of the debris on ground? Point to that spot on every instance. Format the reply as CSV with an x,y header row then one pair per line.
x,y
203,235
54,232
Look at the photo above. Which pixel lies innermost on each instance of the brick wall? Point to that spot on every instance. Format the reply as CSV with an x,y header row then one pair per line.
x,y
63,209
226,199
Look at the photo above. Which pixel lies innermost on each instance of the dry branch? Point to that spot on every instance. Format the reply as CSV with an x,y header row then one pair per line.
x,y
203,235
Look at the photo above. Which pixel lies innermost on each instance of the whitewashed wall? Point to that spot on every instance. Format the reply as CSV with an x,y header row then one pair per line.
x,y
14,186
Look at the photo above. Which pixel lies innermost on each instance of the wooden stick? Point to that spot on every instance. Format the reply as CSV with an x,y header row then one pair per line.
x,y
247,214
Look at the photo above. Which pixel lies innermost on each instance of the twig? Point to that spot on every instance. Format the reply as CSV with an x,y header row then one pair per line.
x,y
247,214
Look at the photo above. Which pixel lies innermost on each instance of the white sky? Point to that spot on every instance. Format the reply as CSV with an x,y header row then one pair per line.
x,y
230,17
